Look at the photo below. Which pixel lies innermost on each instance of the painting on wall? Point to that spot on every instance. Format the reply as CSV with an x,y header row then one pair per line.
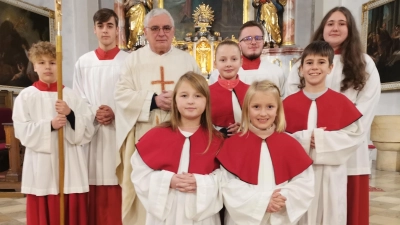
x,y
228,15
21,25
381,35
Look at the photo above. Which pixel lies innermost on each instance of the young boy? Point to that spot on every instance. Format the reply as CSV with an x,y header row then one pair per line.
x,y
327,125
96,74
37,116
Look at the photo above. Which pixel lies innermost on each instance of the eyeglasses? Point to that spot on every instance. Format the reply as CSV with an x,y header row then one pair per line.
x,y
156,29
250,39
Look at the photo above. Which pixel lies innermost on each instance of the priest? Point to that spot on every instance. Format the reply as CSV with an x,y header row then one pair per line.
x,y
95,76
143,98
251,43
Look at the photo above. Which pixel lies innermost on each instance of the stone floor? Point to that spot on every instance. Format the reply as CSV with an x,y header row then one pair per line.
x,y
384,206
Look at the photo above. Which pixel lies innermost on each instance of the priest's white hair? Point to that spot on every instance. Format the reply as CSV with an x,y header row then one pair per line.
x,y
157,12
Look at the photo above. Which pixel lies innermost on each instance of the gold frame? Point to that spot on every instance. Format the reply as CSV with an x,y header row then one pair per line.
x,y
364,34
39,10
14,90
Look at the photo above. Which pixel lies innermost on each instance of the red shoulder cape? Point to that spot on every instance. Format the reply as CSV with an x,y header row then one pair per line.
x,y
240,155
221,103
335,111
161,148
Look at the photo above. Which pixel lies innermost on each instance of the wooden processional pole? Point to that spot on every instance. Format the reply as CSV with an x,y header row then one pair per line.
x,y
58,23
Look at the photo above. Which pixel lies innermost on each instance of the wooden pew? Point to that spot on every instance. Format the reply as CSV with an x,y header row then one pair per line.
x,y
13,175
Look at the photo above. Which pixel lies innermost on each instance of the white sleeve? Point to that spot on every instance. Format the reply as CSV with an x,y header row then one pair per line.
x,y
282,87
77,86
207,201
152,188
84,122
293,80
336,147
246,203
213,77
299,192
35,135
132,104
368,98
304,138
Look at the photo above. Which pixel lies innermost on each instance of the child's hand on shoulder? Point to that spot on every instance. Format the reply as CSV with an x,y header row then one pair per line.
x,y
59,121
62,107
233,129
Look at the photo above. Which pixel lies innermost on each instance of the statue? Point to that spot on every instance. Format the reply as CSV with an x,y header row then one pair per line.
x,y
203,17
203,56
267,15
136,11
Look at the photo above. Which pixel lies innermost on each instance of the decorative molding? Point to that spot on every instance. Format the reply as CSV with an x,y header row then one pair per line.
x,y
364,35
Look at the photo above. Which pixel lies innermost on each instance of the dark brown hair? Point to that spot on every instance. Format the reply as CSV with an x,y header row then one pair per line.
x,y
251,23
319,48
351,51
103,15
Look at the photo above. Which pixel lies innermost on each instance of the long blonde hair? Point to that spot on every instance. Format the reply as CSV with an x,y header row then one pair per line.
x,y
263,86
199,83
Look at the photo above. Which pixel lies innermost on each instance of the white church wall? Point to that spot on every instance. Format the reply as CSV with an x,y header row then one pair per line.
x,y
106,4
389,103
77,31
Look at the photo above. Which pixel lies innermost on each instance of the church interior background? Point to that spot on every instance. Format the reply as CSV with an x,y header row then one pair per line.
x,y
200,26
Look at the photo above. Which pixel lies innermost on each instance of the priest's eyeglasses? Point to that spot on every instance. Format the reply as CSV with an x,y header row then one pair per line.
x,y
250,39
156,29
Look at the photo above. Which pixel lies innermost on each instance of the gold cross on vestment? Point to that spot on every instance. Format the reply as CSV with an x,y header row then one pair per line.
x,y
162,81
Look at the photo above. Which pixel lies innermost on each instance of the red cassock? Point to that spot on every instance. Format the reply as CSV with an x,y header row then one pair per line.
x,y
335,111
221,103
161,148
240,155
45,210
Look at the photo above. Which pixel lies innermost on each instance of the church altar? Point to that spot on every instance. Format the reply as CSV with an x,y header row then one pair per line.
x,y
201,40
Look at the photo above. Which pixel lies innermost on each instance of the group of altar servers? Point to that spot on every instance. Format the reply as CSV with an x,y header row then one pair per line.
x,y
243,148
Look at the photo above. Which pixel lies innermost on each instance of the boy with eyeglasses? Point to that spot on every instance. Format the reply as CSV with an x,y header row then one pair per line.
x,y
95,76
143,98
251,43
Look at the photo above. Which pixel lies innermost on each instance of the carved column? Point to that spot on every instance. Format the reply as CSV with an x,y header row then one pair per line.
x,y
289,16
120,11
